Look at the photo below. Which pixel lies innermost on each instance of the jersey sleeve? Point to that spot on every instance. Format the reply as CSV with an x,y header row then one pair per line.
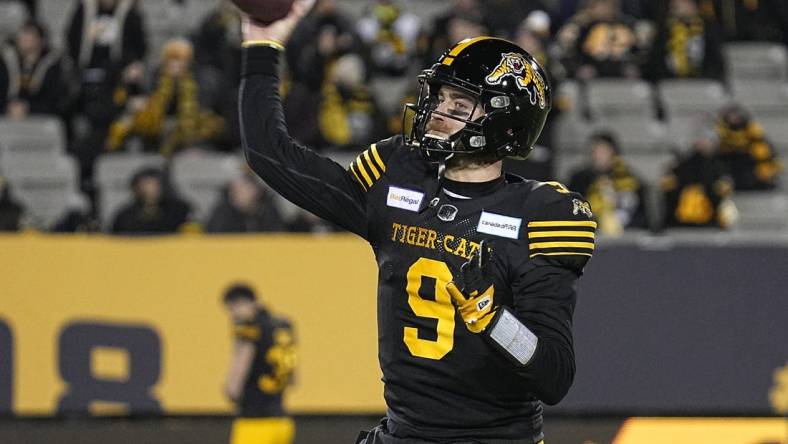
x,y
562,229
560,242
302,176
247,332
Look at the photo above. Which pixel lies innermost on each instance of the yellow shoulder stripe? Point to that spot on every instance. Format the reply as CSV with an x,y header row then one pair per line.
x,y
371,165
376,156
368,167
360,166
563,223
540,245
352,169
566,253
542,234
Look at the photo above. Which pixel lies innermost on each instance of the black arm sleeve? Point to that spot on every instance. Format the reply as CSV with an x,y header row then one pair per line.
x,y
544,302
303,177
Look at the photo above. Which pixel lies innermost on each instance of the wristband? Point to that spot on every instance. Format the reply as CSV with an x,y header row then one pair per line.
x,y
267,42
260,59
513,338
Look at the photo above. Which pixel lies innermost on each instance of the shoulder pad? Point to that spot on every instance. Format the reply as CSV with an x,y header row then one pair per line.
x,y
369,166
561,227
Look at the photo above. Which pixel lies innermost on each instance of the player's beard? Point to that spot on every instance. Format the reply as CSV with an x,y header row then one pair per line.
x,y
459,160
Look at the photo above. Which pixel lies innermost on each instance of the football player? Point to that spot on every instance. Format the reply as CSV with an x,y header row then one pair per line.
x,y
477,268
261,368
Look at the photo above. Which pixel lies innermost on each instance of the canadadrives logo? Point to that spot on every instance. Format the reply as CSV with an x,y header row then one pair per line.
x,y
525,77
499,225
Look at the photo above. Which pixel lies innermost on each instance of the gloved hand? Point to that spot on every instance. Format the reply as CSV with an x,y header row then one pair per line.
x,y
474,293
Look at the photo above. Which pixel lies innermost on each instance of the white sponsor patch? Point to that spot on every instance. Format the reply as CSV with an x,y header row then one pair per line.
x,y
481,305
406,199
498,225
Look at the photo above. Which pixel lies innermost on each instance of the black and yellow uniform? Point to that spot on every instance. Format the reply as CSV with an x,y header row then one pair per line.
x,y
262,418
696,193
442,382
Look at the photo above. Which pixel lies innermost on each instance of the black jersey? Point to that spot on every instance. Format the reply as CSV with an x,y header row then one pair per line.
x,y
272,367
441,381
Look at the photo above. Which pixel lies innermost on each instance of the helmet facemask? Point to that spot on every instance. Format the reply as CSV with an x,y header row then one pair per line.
x,y
467,140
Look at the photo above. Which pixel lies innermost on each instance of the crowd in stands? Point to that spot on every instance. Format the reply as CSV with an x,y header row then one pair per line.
x,y
348,75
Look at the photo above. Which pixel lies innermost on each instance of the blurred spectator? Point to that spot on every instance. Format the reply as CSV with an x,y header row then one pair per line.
x,y
306,222
749,19
106,42
245,207
687,45
105,35
744,150
600,41
153,209
77,217
31,79
533,35
217,41
616,194
349,116
172,118
11,211
697,190
326,34
392,35
463,19
503,17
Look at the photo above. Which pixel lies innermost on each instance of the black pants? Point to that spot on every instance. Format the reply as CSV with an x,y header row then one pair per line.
x,y
381,435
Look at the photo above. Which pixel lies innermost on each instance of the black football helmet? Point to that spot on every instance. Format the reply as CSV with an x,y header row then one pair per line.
x,y
508,84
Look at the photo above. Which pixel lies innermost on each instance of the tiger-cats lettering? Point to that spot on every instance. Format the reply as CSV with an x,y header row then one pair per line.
x,y
427,238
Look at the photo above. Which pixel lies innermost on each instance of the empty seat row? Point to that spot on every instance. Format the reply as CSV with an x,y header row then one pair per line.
x,y
603,98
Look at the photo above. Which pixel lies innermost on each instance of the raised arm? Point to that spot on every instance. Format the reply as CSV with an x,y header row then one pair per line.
x,y
305,178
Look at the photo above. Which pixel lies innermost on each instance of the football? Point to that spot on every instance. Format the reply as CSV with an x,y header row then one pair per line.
x,y
265,11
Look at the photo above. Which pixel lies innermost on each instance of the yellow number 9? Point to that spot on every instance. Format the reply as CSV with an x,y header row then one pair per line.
x,y
441,309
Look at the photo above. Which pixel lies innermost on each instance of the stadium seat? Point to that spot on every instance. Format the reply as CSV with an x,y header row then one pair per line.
x,y
12,16
113,173
566,164
756,61
762,211
686,98
620,97
43,184
569,98
763,98
35,136
649,166
776,129
570,134
637,134
199,178
56,14
197,10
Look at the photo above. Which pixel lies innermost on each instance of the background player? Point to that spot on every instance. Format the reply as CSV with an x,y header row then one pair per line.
x,y
261,368
456,239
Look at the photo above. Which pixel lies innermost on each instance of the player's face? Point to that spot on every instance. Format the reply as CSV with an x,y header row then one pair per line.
x,y
241,311
454,102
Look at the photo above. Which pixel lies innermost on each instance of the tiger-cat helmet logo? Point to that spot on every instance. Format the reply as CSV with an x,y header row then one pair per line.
x,y
525,77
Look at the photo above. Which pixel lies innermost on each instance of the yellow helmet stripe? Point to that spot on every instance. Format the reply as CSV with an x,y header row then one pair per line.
x,y
459,47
